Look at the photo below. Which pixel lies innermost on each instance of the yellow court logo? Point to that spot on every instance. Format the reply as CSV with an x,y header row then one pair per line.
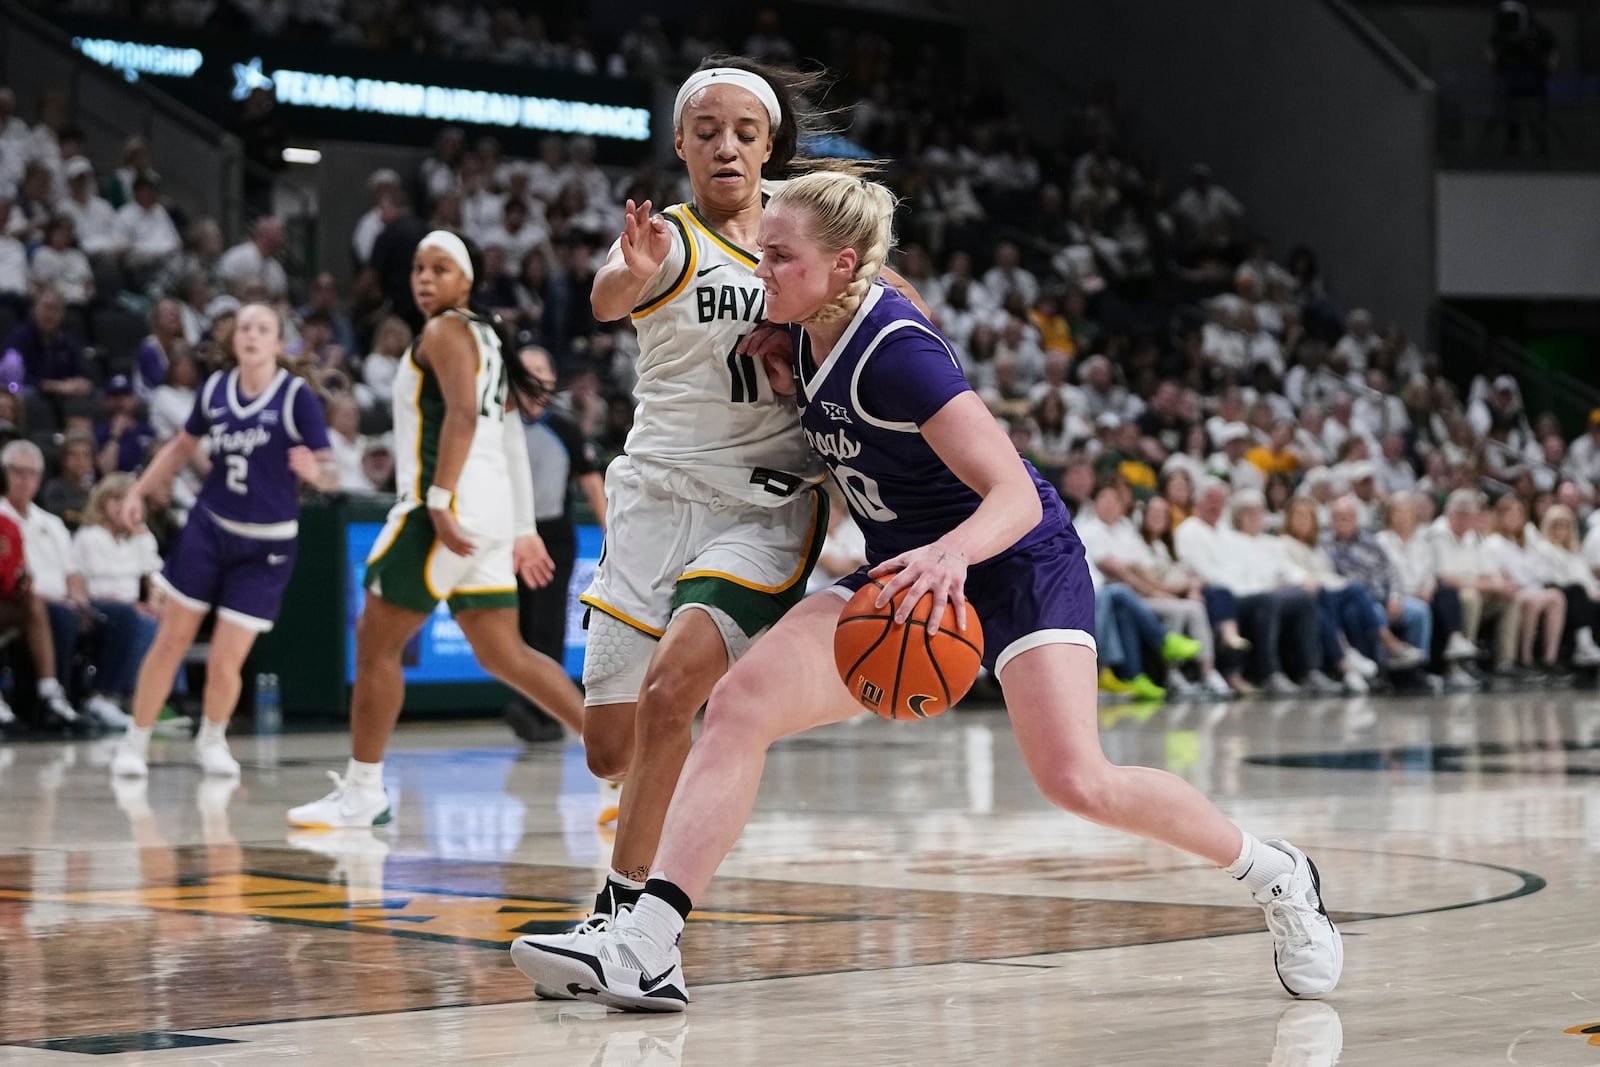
x,y
430,914
1592,1029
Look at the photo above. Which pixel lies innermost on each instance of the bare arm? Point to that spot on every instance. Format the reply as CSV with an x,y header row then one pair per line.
x,y
447,349
167,462
645,244
593,485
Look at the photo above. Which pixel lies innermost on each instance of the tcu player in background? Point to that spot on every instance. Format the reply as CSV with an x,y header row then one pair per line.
x,y
266,433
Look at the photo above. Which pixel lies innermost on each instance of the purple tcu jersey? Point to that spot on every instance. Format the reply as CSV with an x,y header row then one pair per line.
x,y
251,491
861,408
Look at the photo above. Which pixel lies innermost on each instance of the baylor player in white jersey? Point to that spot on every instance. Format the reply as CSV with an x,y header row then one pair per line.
x,y
715,517
461,531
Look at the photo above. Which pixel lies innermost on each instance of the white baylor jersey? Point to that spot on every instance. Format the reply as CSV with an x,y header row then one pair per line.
x,y
483,505
703,408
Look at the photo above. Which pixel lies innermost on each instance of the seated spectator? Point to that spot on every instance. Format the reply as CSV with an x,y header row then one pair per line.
x,y
515,234
53,569
380,183
1461,562
389,344
1055,332
254,262
1410,553
1277,456
67,494
145,231
1123,618
1008,276
1583,455
1405,622
1272,614
60,265
1230,463
1181,601
1102,395
1359,342
1350,627
123,439
1534,602
31,207
173,400
135,160
166,331
349,446
94,220
13,263
378,463
1205,209
325,299
1177,489
22,610
116,560
52,359
1568,571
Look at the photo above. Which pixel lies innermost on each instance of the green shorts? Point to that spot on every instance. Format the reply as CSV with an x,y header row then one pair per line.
x,y
410,569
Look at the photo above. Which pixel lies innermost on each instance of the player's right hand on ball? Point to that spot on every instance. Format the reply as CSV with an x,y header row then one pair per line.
x,y
645,240
449,532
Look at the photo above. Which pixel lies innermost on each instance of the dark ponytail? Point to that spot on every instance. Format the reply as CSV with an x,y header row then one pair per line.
x,y
524,386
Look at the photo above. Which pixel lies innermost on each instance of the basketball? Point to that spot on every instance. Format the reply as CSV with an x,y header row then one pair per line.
x,y
905,672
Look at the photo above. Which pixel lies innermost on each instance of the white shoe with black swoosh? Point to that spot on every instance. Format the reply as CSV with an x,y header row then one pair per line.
x,y
617,966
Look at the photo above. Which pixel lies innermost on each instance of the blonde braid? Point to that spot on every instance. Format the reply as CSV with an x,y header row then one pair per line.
x,y
847,212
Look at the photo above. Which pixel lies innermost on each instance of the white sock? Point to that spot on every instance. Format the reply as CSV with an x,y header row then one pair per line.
x,y
50,687
364,775
624,881
211,732
1259,865
657,920
138,739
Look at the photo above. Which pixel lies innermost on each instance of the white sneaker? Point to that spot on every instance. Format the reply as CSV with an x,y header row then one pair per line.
x,y
103,710
1180,688
214,758
1309,1035
1355,684
1320,683
56,703
1305,944
1585,653
7,716
1408,656
128,763
347,807
1215,684
1458,647
1459,679
1354,660
596,923
1279,685
618,966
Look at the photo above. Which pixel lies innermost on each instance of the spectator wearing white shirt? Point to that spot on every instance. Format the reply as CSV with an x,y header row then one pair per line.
x,y
379,184
1395,471
145,230
1360,341
1410,551
13,263
62,266
1273,615
116,561
1207,211
1461,562
173,400
1591,543
1567,570
1230,463
253,263
582,170
93,218
349,447
389,344
1583,455
516,235
1008,276
547,174
53,568
1535,605
1123,618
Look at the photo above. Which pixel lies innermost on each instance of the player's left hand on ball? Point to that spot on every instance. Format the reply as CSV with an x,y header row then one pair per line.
x,y
934,569
772,345
532,561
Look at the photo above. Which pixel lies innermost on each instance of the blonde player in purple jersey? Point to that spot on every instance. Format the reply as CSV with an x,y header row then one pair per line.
x,y
948,509
266,435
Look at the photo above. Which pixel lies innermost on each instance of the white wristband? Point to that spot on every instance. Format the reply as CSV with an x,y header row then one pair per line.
x,y
439,498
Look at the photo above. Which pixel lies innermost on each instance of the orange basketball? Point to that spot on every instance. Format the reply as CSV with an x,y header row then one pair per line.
x,y
905,672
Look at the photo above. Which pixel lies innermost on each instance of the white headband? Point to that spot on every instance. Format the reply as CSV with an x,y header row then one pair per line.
x,y
452,246
744,79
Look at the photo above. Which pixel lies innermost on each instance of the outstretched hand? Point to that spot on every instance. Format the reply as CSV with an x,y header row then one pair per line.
x,y
645,240
532,561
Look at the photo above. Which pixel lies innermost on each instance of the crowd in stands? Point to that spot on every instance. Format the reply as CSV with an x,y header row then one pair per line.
x,y
1296,486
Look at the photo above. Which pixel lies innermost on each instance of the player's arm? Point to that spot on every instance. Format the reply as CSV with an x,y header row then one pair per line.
x,y
593,486
447,349
645,243
529,556
158,475
893,280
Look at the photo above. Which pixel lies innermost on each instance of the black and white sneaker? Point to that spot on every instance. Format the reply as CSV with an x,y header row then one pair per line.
x,y
595,923
1306,947
617,966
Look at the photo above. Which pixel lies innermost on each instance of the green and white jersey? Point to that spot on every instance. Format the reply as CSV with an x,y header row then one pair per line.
x,y
702,408
483,503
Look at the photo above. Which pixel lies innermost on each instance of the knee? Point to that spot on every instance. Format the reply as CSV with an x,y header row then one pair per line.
x,y
609,752
1085,791
668,700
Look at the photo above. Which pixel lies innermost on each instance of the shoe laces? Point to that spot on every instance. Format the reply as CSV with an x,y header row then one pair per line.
x,y
1287,923
340,785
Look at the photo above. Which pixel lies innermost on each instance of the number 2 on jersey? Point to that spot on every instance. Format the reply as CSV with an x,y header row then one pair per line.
x,y
238,471
493,400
